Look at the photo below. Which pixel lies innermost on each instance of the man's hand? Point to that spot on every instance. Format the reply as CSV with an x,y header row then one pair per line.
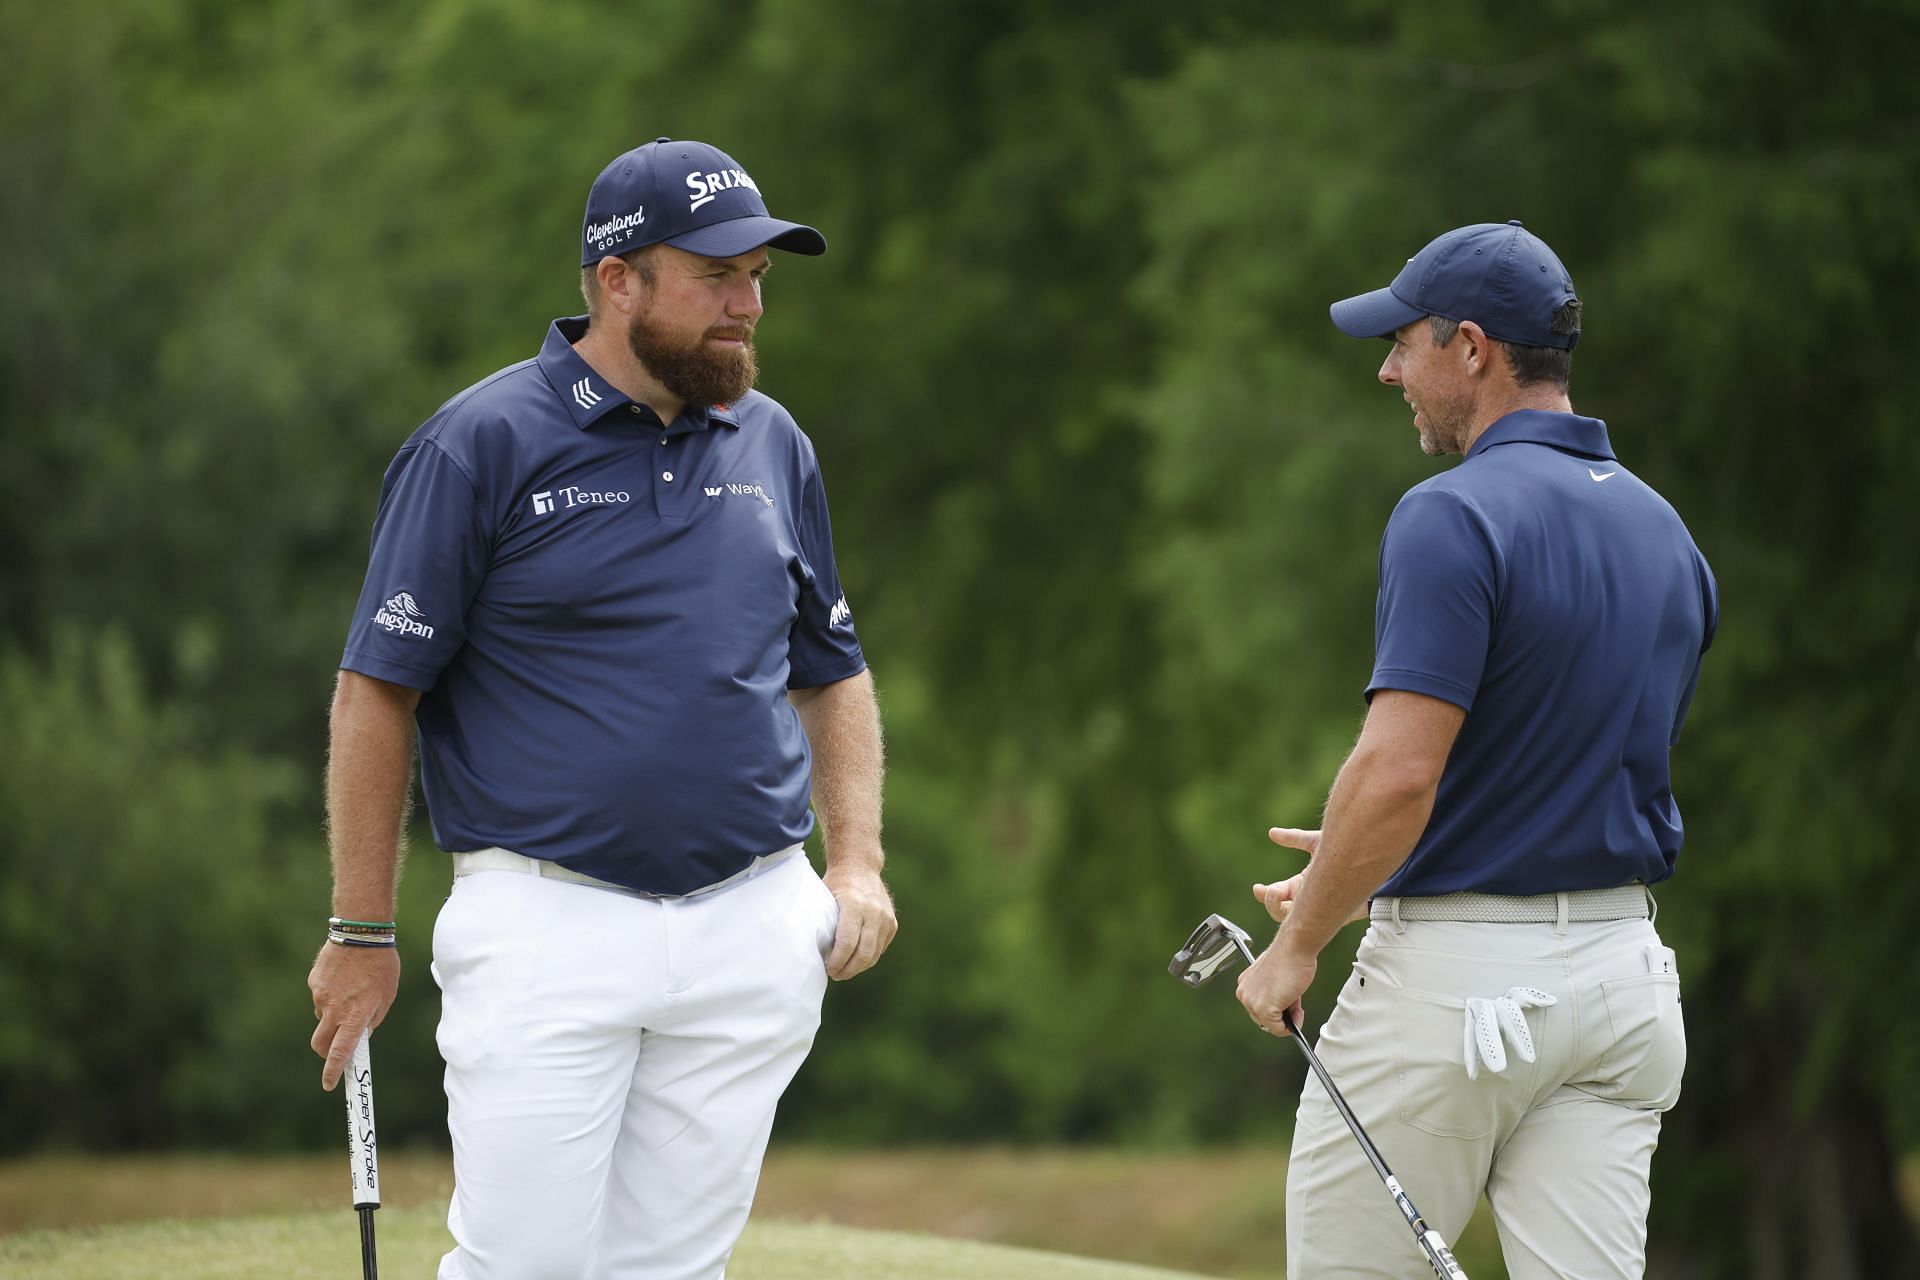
x,y
867,922
1278,898
353,987
842,724
1272,987
1308,842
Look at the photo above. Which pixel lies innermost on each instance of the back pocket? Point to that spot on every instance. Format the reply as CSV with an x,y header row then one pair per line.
x,y
1435,1095
1643,1065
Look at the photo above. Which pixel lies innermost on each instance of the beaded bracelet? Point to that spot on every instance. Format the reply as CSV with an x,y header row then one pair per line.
x,y
360,926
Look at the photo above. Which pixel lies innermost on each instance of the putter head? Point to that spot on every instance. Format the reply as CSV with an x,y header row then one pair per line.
x,y
1213,948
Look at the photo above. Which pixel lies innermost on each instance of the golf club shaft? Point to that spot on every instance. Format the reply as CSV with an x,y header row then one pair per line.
x,y
1438,1255
369,1256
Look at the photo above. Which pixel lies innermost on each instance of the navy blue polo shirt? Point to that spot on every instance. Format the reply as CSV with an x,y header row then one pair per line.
x,y
1560,601
604,615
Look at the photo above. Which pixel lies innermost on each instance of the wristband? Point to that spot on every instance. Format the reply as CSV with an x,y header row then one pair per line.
x,y
361,939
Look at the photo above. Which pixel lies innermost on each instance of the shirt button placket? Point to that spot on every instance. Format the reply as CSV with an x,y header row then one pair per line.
x,y
665,488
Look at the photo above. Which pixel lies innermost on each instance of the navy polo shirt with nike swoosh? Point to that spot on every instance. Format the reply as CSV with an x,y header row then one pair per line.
x,y
604,615
1560,601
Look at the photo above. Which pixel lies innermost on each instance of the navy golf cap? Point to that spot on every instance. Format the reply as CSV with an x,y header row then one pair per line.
x,y
686,194
1497,274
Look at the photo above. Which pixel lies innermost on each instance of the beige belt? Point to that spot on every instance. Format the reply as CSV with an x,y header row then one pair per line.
x,y
1582,906
465,864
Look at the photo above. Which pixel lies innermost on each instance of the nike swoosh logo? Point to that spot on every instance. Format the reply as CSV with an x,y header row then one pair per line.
x,y
1598,476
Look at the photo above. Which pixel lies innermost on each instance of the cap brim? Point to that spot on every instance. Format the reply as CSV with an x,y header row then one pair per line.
x,y
1372,315
743,235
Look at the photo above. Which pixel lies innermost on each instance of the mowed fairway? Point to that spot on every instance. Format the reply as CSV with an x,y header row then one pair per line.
x,y
1214,1213
325,1246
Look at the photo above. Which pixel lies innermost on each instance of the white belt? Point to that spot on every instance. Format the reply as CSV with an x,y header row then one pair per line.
x,y
1582,906
465,864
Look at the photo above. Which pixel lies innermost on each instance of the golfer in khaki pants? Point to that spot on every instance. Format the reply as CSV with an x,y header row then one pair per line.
x,y
1512,1022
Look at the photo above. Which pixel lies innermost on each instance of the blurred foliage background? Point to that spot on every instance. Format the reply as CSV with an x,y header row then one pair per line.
x,y
1107,491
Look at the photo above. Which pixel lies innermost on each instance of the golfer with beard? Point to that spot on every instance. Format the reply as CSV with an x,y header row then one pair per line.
x,y
602,590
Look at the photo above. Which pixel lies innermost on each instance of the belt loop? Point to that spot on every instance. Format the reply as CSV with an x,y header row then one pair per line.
x,y
1395,911
1653,907
1560,917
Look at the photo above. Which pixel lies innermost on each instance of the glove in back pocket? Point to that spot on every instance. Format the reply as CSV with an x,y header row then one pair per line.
x,y
1436,1096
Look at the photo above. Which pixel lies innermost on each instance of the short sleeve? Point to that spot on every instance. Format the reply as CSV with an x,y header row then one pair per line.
x,y
1710,627
429,556
1710,602
1433,622
822,647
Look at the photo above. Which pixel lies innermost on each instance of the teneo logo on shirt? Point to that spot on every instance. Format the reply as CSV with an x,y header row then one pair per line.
x,y
738,491
706,186
402,616
574,496
600,234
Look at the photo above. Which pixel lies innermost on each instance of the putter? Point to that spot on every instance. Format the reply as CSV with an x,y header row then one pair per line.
x,y
363,1151
1215,947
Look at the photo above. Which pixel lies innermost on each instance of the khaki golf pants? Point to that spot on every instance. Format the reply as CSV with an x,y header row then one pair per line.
x,y
1561,1146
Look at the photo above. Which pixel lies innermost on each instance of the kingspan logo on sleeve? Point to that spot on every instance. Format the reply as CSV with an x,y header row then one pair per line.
x,y
402,616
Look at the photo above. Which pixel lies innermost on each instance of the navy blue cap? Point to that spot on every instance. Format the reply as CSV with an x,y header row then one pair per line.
x,y
686,194
1497,274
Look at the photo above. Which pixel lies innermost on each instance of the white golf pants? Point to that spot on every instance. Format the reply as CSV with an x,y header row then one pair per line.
x,y
613,1065
1562,1145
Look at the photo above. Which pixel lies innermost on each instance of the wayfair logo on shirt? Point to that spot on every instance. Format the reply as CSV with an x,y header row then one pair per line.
x,y
402,616
738,491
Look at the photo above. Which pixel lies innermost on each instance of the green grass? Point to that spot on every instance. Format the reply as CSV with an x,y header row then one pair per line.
x,y
1219,1213
1214,1212
326,1246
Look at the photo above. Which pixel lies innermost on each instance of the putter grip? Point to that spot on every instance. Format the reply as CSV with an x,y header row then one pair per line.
x,y
362,1148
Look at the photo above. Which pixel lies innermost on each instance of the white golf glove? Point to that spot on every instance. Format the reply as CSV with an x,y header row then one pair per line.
x,y
1487,1019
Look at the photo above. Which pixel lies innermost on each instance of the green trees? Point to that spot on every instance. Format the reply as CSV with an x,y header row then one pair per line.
x,y
142,937
1108,490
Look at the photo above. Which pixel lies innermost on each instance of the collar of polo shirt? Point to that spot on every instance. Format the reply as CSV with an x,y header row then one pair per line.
x,y
1568,431
590,398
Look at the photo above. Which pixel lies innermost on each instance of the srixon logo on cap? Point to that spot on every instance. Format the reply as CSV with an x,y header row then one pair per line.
x,y
707,186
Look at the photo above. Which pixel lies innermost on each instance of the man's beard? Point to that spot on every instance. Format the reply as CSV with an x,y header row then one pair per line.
x,y
1443,427
695,372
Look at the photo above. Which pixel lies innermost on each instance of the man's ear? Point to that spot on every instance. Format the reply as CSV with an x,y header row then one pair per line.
x,y
620,285
1477,352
